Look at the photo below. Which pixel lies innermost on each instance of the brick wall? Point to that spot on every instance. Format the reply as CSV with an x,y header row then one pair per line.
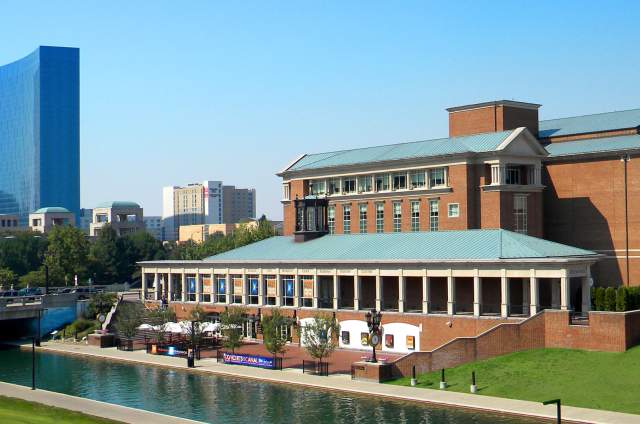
x,y
573,137
492,119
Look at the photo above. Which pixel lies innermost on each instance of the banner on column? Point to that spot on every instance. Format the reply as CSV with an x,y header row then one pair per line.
x,y
271,287
237,286
191,284
207,285
307,288
253,286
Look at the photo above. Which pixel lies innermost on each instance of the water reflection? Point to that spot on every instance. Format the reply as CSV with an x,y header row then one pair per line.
x,y
221,400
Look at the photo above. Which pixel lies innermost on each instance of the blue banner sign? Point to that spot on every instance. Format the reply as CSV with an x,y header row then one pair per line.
x,y
249,360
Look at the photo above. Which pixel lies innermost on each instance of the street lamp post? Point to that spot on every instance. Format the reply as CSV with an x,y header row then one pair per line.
x,y
33,363
373,322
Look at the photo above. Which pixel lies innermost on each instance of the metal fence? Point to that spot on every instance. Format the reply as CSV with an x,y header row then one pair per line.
x,y
315,368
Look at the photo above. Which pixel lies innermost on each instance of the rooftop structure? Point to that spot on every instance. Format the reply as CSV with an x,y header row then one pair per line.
x,y
123,216
44,219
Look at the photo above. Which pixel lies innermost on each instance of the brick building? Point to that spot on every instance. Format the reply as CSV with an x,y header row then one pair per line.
x,y
500,167
453,237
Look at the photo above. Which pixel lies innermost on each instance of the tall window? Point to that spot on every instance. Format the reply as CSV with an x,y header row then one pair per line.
x,y
252,288
346,219
434,215
331,219
513,175
417,179
334,186
379,217
397,217
399,181
365,183
288,291
349,185
285,191
520,213
436,177
221,289
415,215
363,218
382,182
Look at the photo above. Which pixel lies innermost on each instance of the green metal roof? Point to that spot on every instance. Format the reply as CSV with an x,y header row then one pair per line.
x,y
118,204
476,143
589,123
594,145
52,209
414,246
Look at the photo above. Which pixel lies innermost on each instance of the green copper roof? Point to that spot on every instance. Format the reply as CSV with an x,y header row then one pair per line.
x,y
415,246
594,145
442,146
589,123
54,209
118,204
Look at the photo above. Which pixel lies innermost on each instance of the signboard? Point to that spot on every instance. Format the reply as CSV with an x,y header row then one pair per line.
x,y
411,343
271,287
237,286
248,360
168,351
221,286
345,337
364,339
307,288
253,286
388,340
207,286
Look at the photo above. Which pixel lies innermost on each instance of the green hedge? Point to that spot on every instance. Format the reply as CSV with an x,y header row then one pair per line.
x,y
615,299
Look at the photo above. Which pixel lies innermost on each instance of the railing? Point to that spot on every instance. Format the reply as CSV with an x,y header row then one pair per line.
x,y
315,368
18,301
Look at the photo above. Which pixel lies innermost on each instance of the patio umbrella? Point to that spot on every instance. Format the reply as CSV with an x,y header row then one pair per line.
x,y
145,327
173,327
210,327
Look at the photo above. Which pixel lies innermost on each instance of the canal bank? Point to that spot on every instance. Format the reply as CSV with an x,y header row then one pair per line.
x,y
343,383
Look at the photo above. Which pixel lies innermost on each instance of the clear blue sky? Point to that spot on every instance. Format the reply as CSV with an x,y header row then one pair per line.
x,y
177,92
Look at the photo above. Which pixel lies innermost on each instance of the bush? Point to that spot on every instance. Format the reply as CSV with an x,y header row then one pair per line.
x,y
81,327
599,298
610,299
622,297
634,298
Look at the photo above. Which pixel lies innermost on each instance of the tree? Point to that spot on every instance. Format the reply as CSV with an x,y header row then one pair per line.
x,y
22,251
100,303
275,339
231,322
112,257
7,278
159,317
128,319
319,336
66,254
622,299
194,331
599,299
33,279
610,299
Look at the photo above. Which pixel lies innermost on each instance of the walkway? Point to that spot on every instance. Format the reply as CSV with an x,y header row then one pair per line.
x,y
88,406
341,382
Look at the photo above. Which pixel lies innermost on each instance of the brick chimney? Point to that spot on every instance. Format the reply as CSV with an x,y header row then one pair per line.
x,y
493,116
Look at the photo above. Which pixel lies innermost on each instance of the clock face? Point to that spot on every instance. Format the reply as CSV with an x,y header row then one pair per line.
x,y
375,339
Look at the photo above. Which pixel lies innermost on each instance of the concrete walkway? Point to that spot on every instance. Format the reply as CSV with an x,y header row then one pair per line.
x,y
88,406
344,383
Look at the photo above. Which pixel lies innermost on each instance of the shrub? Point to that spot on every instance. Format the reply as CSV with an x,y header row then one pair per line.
x,y
622,297
81,327
599,298
610,299
634,298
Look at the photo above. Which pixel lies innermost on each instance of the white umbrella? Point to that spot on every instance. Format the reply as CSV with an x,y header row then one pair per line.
x,y
185,324
145,327
210,327
173,327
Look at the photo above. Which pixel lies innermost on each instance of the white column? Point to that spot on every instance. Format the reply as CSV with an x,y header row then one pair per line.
x,y
143,277
278,290
229,291
315,291
402,286
425,294
245,292
565,302
378,292
169,287
261,289
535,295
451,295
477,294
296,289
526,294
335,291
357,286
156,286
198,287
183,276
504,295
587,282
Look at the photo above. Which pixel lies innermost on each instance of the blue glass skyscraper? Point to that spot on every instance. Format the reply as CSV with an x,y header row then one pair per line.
x,y
40,132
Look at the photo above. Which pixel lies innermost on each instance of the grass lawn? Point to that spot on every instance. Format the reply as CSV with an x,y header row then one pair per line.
x,y
19,411
598,380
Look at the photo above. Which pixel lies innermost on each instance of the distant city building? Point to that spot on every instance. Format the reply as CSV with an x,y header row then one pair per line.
x,y
9,222
44,219
200,233
124,217
238,204
153,225
86,217
198,203
40,132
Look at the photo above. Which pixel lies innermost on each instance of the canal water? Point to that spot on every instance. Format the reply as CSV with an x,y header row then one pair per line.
x,y
220,400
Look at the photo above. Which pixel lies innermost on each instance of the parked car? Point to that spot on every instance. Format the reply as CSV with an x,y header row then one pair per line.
x,y
9,293
30,291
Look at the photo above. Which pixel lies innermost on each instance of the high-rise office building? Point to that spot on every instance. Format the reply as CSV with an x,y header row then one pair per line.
x,y
239,204
198,203
40,132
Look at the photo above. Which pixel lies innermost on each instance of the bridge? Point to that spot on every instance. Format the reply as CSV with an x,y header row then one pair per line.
x,y
19,315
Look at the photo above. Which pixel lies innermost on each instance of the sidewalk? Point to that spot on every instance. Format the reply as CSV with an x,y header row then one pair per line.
x,y
88,406
341,382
